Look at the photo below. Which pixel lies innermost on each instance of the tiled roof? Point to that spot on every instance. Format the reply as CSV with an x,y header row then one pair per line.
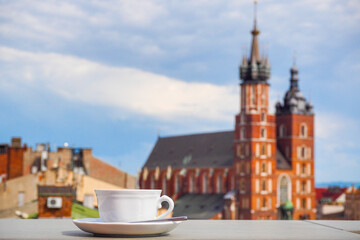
x,y
55,190
199,206
193,151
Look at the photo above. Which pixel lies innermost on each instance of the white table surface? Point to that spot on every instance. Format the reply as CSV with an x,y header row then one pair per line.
x,y
192,229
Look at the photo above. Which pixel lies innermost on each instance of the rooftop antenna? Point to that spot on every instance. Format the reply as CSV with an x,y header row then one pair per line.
x,y
255,9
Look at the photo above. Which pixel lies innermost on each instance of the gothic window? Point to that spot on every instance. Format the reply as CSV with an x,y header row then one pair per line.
x,y
257,150
239,150
253,95
192,184
263,117
242,164
247,151
263,96
282,131
152,182
242,185
263,167
204,183
303,186
264,202
303,205
303,130
177,183
303,152
219,184
263,132
284,183
263,149
263,185
242,133
303,168
164,185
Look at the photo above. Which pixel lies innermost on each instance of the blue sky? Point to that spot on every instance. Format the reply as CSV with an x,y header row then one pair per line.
x,y
112,74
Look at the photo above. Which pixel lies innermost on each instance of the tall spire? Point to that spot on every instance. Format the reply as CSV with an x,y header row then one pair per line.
x,y
294,76
255,55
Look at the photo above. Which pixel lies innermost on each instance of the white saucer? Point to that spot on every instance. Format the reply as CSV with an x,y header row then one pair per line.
x,y
96,226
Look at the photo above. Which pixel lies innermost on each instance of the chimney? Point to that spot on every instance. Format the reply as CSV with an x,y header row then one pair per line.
x,y
16,142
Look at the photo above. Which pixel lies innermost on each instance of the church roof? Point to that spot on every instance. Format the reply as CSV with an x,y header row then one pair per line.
x,y
199,206
204,150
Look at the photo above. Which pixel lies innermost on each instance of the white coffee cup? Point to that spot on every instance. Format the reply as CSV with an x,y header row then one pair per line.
x,y
131,205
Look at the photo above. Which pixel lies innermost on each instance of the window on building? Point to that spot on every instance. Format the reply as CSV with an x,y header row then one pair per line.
x,y
239,150
242,165
204,183
303,186
219,184
177,183
282,131
164,185
257,150
247,150
258,203
303,168
264,202
263,185
263,117
152,182
263,132
242,185
303,152
263,95
263,149
192,184
303,203
242,133
303,130
21,199
253,95
263,167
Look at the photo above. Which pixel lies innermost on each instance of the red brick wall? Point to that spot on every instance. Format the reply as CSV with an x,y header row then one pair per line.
x,y
3,164
15,162
64,211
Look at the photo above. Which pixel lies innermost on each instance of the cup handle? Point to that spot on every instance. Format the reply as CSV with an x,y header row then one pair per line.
x,y
165,198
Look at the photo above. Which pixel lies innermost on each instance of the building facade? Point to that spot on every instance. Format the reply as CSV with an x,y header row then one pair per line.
x,y
263,165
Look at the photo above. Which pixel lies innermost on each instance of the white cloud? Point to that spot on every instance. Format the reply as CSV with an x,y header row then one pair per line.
x,y
125,90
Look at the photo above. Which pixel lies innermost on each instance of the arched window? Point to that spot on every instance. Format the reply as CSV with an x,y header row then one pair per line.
x,y
303,152
303,168
177,183
264,202
263,95
263,149
192,184
263,132
253,95
204,183
263,167
164,185
242,185
152,182
263,185
242,164
303,205
282,130
303,186
219,184
263,116
284,190
303,130
242,133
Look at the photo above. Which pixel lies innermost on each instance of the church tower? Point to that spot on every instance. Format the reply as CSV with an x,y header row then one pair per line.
x,y
295,140
255,140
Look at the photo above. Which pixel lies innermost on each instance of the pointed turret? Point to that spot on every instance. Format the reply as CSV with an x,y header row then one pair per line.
x,y
255,69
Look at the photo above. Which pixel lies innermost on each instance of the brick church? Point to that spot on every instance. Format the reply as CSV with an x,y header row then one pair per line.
x,y
263,169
